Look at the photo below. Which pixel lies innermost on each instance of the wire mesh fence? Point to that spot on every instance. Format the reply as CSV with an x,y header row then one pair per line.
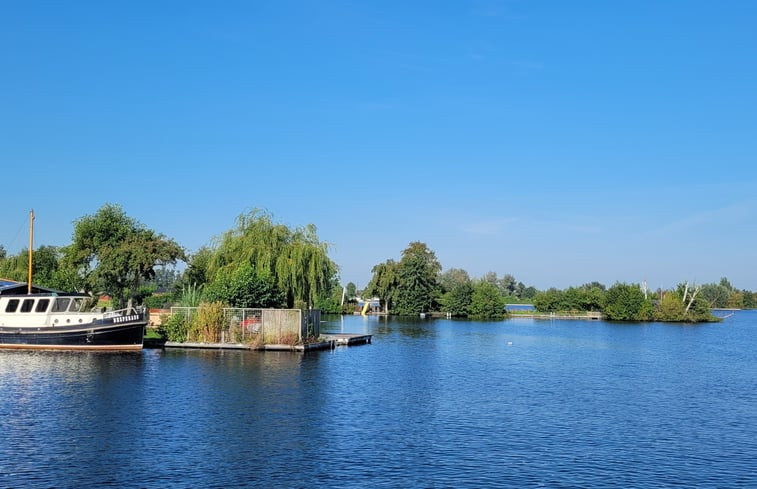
x,y
266,326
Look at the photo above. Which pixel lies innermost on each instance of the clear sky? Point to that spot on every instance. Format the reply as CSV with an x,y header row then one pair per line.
x,y
558,141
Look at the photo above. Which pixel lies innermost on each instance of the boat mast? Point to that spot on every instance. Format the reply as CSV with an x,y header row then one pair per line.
x,y
31,244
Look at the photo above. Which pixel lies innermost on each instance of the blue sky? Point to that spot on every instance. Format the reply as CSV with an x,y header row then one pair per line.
x,y
561,142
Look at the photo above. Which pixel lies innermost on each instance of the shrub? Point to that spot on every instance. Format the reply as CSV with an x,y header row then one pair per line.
x,y
209,323
174,327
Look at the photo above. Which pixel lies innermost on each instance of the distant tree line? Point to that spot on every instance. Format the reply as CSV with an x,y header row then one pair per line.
x,y
416,284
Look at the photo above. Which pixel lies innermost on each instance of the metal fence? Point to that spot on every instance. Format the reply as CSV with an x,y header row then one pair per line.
x,y
268,326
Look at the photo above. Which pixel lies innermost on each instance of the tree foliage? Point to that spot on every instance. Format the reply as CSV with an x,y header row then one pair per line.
x,y
457,301
295,258
626,302
417,286
384,283
244,287
113,253
487,302
453,277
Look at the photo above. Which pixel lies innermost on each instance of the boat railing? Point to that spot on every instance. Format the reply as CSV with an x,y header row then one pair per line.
x,y
126,311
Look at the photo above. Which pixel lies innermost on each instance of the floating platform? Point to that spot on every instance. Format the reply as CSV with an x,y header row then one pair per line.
x,y
320,345
592,316
329,342
207,346
348,339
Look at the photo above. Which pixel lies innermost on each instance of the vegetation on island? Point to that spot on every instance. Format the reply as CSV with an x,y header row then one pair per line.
x,y
260,263
629,302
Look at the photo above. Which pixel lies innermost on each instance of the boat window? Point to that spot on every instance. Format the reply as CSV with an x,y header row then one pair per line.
x,y
26,306
42,305
77,305
61,304
12,305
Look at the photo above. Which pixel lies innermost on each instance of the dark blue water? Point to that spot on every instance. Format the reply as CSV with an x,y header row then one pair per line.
x,y
520,403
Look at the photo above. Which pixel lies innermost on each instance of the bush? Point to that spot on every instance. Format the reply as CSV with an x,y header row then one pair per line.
x,y
671,308
487,302
160,301
174,327
627,303
209,323
244,287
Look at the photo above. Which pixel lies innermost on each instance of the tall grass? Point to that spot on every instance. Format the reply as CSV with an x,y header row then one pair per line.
x,y
191,296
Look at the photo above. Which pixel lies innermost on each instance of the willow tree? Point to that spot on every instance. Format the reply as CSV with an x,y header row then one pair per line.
x,y
46,267
383,283
295,258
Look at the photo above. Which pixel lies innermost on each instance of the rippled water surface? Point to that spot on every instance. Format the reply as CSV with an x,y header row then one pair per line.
x,y
434,403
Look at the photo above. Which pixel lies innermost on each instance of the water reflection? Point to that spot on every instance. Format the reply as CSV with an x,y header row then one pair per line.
x,y
518,403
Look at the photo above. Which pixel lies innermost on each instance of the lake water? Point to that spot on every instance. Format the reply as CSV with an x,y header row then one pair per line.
x,y
435,403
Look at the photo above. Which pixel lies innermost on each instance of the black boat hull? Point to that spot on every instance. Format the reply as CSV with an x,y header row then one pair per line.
x,y
106,334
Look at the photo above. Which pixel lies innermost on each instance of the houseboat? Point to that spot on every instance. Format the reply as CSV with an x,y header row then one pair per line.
x,y
46,319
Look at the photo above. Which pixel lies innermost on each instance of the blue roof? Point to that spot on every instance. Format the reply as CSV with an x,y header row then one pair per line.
x,y
11,287
7,283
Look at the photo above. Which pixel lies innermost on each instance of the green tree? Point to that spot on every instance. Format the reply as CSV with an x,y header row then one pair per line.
x,y
696,307
417,286
457,301
350,290
46,267
295,258
594,285
726,284
487,302
507,285
196,272
384,283
671,308
548,301
15,267
114,253
453,277
244,287
715,294
529,293
750,299
330,302
626,302
736,300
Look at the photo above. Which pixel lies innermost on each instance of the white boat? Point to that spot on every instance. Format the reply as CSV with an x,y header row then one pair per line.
x,y
54,320
34,317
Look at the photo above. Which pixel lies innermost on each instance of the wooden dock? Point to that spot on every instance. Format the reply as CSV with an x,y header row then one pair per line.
x,y
592,316
348,339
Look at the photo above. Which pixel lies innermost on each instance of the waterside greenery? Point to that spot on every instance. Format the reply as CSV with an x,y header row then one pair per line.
x,y
262,263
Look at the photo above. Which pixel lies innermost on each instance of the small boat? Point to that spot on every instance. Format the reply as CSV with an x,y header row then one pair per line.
x,y
47,319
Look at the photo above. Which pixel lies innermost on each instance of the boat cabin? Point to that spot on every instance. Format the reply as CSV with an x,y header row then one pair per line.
x,y
46,310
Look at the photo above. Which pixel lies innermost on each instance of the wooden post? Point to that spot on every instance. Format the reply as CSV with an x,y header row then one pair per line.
x,y
31,245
